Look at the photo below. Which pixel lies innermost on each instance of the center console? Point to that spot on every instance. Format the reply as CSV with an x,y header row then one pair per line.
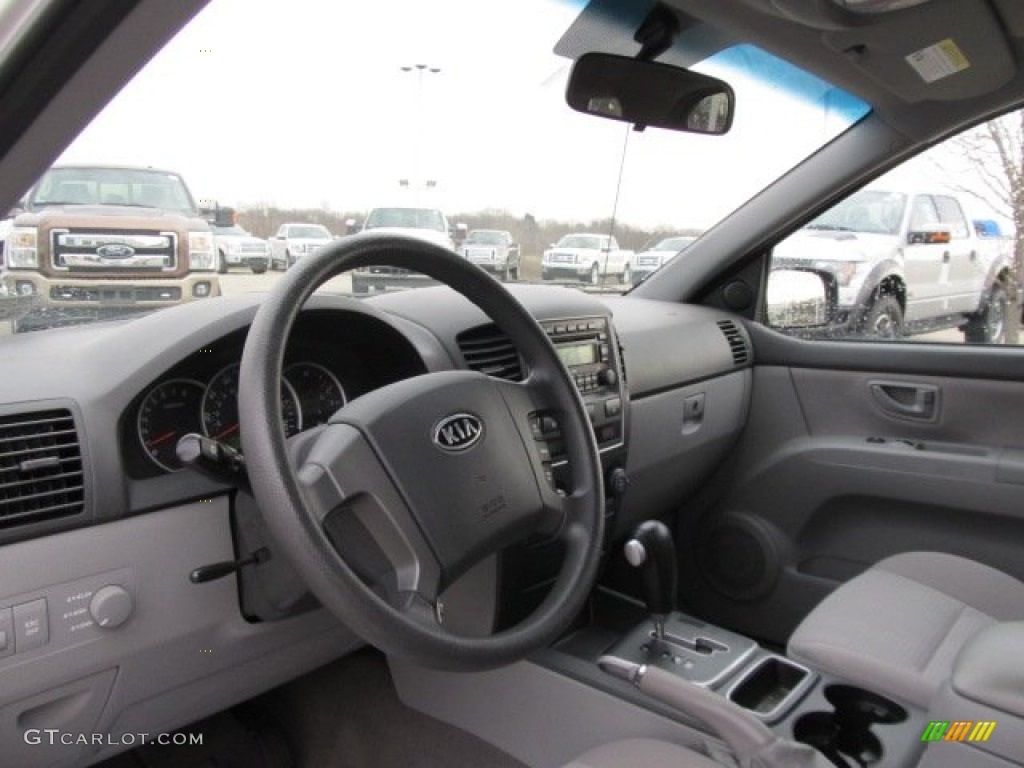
x,y
747,696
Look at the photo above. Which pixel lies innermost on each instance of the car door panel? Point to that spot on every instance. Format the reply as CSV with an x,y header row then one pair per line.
x,y
826,480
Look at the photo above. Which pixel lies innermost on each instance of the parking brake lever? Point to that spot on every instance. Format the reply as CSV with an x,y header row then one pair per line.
x,y
751,741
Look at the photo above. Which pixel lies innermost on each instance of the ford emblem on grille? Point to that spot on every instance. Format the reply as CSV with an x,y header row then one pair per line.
x,y
115,251
458,432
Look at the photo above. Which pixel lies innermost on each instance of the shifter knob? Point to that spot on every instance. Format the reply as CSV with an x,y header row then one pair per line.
x,y
652,550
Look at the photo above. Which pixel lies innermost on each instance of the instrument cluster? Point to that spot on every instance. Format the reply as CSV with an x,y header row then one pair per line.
x,y
174,407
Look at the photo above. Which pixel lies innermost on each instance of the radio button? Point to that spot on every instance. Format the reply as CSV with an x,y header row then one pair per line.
x,y
612,406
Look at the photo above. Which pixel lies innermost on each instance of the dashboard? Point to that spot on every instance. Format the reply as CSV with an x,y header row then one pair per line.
x,y
665,388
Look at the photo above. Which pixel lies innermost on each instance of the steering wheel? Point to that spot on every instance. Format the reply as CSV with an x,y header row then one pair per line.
x,y
410,485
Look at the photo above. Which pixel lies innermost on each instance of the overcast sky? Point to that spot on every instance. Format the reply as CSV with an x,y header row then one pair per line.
x,y
310,108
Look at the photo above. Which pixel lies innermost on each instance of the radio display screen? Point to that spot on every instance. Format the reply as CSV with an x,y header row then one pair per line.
x,y
577,354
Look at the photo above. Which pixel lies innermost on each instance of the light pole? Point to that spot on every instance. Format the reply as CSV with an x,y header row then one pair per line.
x,y
419,69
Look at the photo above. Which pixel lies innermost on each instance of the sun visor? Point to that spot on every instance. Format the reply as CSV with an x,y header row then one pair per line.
x,y
942,50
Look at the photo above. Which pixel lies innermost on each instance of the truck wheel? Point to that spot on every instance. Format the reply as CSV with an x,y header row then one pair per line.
x,y
595,274
884,320
627,276
988,326
222,263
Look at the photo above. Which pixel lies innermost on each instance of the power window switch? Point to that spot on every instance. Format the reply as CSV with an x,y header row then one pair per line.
x,y
31,628
6,632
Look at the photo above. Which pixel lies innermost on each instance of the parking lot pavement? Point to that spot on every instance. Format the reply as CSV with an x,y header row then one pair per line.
x,y
238,281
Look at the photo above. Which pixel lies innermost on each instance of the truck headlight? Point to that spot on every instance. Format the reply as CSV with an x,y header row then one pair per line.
x,y
843,270
201,251
22,248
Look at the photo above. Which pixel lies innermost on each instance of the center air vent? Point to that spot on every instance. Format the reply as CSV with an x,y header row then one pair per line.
x,y
737,342
41,473
488,350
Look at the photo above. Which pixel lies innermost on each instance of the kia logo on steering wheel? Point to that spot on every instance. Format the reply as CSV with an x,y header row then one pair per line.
x,y
458,432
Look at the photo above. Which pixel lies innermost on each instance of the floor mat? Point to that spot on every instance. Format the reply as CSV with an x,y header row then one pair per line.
x,y
347,715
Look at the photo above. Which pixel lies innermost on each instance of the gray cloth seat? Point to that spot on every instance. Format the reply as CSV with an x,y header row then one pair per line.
x,y
896,628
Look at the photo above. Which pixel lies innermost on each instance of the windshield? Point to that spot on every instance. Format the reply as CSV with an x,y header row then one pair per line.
x,y
582,241
673,244
233,230
111,186
486,238
407,218
871,211
311,233
476,143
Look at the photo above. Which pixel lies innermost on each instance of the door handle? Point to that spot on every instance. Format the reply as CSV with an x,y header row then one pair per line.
x,y
945,257
903,400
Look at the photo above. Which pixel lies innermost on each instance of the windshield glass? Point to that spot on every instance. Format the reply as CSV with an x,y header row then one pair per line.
x,y
311,233
872,211
581,241
674,244
477,140
407,218
111,186
233,230
485,238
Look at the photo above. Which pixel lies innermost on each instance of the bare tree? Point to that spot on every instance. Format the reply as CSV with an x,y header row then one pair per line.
x,y
991,160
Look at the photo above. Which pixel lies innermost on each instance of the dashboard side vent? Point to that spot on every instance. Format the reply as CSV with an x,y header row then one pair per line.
x,y
41,475
488,350
737,342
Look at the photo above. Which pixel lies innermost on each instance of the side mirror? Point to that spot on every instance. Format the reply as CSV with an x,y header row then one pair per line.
x,y
650,93
800,299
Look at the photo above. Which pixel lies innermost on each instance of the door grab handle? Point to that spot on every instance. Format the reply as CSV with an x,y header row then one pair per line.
x,y
919,402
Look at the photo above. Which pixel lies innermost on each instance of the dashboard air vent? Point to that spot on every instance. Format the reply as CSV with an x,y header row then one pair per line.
x,y
41,473
488,350
737,343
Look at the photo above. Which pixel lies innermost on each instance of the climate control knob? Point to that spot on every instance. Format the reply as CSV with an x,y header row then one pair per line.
x,y
607,377
111,606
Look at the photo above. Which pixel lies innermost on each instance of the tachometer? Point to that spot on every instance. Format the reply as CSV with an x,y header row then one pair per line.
x,y
220,408
170,410
319,392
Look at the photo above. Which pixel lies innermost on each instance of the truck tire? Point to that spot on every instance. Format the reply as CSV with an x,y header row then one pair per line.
x,y
222,263
595,274
988,326
884,319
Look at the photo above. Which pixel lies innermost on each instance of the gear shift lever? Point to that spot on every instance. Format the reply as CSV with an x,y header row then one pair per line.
x,y
652,550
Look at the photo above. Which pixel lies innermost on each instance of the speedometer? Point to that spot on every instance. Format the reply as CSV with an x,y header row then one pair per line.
x,y
220,408
319,392
168,412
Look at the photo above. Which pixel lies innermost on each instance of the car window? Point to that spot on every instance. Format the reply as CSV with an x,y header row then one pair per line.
x,y
951,214
410,147
942,274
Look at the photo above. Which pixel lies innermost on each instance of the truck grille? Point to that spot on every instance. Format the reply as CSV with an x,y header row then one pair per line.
x,y
113,250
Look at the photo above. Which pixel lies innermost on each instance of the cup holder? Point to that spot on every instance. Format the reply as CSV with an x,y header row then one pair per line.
x,y
845,735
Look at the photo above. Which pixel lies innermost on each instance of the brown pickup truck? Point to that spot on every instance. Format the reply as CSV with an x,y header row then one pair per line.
x,y
96,242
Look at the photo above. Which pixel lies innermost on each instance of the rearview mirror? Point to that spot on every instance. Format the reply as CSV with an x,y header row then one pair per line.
x,y
649,93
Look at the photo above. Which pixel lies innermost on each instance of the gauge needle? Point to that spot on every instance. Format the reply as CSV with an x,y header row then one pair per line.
x,y
162,439
225,432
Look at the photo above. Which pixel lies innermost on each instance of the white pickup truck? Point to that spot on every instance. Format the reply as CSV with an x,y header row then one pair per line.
x,y
587,258
906,262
